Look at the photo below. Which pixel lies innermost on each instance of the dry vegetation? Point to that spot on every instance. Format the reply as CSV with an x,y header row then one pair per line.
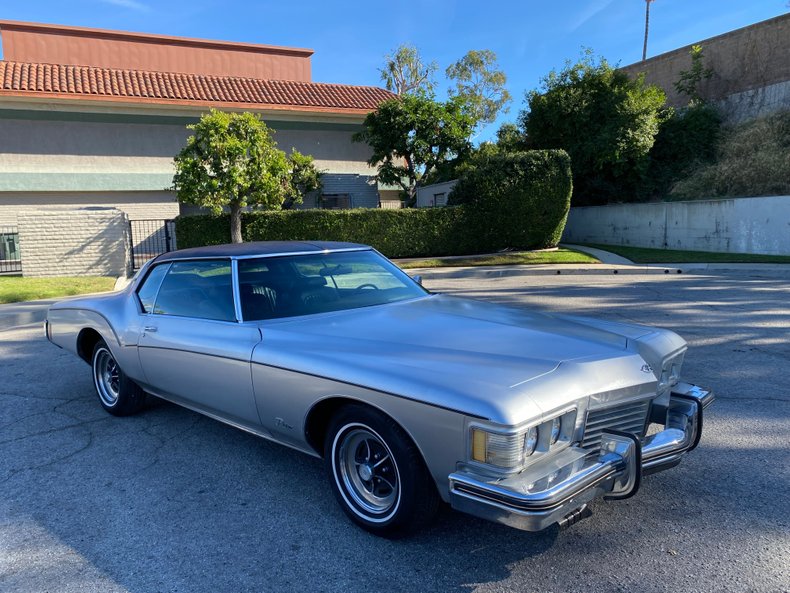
x,y
753,160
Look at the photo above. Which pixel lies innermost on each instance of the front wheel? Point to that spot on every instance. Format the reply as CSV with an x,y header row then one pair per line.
x,y
377,473
118,394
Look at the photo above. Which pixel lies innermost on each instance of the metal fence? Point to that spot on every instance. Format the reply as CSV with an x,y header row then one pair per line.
x,y
10,257
150,238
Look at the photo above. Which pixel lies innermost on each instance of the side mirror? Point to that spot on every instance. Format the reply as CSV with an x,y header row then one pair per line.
x,y
417,279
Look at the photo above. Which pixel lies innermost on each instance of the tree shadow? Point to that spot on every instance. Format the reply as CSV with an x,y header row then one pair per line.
x,y
170,500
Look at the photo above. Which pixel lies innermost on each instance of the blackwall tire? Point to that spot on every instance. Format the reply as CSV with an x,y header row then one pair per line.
x,y
377,473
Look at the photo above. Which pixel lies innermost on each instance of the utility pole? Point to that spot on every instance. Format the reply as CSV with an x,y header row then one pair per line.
x,y
647,24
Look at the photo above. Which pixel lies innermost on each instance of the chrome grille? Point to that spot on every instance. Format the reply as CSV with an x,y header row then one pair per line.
x,y
630,417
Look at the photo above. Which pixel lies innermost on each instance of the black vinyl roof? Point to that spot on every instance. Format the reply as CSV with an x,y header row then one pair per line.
x,y
261,248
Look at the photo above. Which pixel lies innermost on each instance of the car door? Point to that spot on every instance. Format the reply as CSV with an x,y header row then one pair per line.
x,y
191,347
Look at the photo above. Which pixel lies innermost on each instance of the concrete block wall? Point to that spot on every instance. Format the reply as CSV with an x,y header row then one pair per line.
x,y
84,242
737,225
745,59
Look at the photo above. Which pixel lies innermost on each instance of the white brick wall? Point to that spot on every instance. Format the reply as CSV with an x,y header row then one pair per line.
x,y
84,242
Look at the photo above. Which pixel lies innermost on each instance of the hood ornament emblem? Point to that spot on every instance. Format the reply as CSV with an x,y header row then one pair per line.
x,y
646,368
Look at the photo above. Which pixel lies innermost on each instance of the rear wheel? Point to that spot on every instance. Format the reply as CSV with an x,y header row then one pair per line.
x,y
118,394
377,473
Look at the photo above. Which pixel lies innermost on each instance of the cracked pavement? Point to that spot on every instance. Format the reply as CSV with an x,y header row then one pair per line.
x,y
170,500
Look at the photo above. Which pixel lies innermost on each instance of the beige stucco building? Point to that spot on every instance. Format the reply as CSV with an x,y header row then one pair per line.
x,y
94,117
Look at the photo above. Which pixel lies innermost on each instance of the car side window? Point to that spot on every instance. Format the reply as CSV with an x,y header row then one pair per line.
x,y
147,291
201,289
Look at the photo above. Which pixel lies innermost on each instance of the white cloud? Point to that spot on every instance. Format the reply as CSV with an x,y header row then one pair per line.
x,y
588,13
130,4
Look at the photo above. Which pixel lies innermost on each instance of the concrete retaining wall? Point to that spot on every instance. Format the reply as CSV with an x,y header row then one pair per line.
x,y
85,242
739,225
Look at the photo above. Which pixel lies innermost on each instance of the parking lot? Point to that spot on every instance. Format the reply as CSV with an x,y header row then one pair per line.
x,y
172,501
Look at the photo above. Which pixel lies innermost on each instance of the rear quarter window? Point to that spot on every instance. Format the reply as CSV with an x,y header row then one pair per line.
x,y
146,293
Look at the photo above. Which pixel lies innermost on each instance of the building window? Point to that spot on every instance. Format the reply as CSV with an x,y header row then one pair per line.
x,y
335,201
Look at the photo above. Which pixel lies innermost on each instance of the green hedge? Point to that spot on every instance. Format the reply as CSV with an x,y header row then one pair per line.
x,y
530,213
521,198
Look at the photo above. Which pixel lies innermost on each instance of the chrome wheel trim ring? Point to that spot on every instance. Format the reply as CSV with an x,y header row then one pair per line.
x,y
376,499
106,377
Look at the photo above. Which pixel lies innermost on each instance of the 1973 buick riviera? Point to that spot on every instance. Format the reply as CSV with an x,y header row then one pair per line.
x,y
411,398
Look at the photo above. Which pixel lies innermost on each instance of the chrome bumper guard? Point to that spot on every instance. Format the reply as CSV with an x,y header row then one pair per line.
x,y
541,496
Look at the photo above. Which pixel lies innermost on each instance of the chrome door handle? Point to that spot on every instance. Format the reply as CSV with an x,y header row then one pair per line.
x,y
149,329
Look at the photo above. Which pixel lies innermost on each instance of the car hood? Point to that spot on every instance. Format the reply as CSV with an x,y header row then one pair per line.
x,y
479,358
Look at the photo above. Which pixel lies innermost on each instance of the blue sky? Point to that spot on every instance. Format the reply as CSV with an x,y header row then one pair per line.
x,y
350,39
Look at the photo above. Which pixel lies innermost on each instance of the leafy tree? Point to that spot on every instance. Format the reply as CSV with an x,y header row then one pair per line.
x,y
412,137
510,138
405,73
606,122
689,80
231,161
305,178
687,140
480,83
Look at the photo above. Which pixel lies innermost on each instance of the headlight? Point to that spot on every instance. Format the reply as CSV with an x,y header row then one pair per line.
x,y
556,424
512,449
530,441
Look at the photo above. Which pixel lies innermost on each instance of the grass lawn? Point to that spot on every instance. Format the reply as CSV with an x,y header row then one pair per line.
x,y
559,256
642,255
14,289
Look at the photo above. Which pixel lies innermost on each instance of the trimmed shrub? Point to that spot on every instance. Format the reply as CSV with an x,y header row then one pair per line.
x,y
526,212
521,198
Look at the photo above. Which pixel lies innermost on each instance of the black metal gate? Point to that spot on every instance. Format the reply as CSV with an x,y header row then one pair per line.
x,y
10,257
150,238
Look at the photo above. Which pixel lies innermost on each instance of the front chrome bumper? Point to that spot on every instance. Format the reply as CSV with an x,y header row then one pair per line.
x,y
541,496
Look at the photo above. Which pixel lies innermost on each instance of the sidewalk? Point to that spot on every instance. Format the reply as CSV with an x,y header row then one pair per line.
x,y
588,269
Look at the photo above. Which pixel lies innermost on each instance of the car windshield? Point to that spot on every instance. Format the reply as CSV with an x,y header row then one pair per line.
x,y
289,286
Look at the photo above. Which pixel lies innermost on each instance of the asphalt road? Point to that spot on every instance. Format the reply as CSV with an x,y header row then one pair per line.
x,y
173,501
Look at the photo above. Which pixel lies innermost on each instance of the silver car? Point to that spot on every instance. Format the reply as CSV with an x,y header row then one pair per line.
x,y
411,398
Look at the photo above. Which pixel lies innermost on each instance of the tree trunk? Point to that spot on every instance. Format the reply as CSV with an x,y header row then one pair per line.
x,y
235,223
411,193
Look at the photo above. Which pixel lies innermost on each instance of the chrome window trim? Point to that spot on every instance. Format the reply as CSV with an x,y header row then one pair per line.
x,y
291,253
165,259
234,281
170,263
141,282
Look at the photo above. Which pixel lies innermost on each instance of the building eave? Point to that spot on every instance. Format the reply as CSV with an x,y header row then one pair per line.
x,y
170,107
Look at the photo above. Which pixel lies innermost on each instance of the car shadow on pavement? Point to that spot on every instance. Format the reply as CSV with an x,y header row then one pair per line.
x,y
169,500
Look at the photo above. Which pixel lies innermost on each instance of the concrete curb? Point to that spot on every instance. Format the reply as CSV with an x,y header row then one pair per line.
x,y
539,270
588,269
28,313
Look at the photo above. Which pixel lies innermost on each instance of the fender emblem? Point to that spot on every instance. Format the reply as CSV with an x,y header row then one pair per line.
x,y
282,423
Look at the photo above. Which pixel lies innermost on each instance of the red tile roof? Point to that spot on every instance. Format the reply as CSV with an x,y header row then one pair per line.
x,y
92,83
